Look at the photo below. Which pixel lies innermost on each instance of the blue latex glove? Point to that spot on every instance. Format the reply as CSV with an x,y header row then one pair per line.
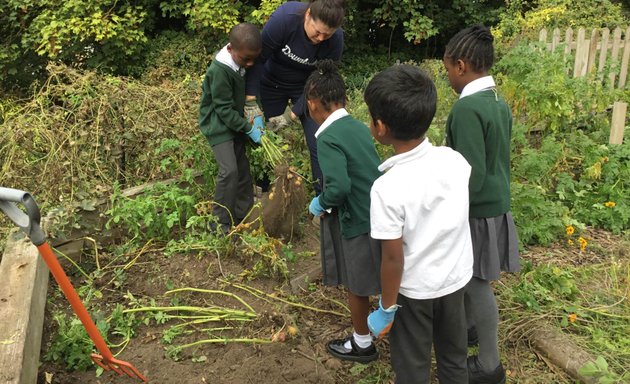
x,y
381,320
257,130
259,123
315,207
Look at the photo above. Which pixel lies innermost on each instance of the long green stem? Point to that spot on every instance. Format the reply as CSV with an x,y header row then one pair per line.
x,y
214,341
262,295
74,264
211,291
224,311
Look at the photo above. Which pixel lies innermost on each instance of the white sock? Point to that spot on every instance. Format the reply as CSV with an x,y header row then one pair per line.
x,y
362,341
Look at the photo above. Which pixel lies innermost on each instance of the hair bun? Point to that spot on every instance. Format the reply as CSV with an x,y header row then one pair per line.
x,y
326,67
482,33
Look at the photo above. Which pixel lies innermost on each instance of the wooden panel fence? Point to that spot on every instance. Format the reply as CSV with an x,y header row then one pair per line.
x,y
592,57
592,53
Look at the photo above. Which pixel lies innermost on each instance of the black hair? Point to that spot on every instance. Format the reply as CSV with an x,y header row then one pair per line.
x,y
245,35
329,12
472,45
326,85
404,98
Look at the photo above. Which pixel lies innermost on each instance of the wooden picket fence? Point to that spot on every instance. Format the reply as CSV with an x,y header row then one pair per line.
x,y
592,55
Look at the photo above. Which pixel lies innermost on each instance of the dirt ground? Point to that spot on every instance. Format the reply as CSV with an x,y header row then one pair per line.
x,y
298,359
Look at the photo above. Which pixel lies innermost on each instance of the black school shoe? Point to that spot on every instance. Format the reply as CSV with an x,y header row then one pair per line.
x,y
358,354
476,374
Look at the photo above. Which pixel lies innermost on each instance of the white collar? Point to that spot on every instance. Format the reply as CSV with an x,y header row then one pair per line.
x,y
415,153
224,57
338,114
477,85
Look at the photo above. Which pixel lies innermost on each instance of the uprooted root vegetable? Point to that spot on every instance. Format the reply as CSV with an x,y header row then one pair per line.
x,y
285,205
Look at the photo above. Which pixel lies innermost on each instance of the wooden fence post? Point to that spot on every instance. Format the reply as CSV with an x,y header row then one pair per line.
x,y
603,53
581,54
555,40
623,72
592,50
615,53
568,40
542,36
618,122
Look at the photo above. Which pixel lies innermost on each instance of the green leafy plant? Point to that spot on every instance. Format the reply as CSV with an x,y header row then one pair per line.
x,y
155,213
71,343
599,370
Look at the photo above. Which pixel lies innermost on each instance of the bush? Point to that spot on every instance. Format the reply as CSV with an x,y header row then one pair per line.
x,y
564,103
519,21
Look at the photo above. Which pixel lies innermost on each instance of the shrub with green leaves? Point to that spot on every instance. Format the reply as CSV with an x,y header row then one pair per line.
x,y
154,214
521,19
71,343
563,103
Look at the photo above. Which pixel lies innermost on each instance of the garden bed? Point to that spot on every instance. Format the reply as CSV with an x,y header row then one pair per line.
x,y
283,343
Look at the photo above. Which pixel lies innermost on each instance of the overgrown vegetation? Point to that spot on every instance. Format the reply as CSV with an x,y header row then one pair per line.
x,y
82,137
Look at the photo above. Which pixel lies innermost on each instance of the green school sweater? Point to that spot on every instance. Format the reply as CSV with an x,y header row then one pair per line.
x,y
221,111
480,127
349,162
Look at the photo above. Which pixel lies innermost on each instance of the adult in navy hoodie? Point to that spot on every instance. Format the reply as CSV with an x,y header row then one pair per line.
x,y
296,36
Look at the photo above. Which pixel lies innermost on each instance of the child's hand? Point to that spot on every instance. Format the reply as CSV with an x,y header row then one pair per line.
x,y
315,207
252,110
381,320
257,131
259,123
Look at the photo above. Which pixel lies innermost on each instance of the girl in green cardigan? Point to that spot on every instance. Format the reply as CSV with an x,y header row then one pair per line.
x,y
349,163
479,127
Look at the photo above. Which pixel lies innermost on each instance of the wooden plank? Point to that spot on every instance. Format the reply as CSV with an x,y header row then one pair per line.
x,y
623,71
23,286
542,35
618,122
603,53
555,39
568,39
614,55
581,54
592,51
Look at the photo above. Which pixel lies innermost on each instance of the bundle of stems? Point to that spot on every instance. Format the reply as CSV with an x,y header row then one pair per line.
x,y
271,151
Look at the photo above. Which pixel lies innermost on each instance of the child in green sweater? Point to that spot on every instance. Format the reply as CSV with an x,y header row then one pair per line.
x,y
222,121
479,127
349,164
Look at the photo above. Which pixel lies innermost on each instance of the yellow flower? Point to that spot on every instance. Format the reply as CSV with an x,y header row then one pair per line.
x,y
570,230
610,204
572,317
583,243
570,242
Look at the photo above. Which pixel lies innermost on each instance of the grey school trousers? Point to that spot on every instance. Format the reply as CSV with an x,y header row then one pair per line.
x,y
234,191
419,324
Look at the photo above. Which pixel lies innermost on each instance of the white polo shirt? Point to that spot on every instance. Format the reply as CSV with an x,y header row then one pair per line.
x,y
423,198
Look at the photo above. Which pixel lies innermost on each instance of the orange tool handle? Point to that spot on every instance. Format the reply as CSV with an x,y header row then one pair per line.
x,y
29,223
75,300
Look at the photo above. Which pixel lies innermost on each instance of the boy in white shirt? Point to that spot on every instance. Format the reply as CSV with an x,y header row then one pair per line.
x,y
419,211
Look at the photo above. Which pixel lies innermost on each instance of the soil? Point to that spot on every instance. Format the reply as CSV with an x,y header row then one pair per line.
x,y
298,359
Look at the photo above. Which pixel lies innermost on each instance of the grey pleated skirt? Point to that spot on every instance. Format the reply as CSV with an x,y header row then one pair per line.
x,y
354,263
495,246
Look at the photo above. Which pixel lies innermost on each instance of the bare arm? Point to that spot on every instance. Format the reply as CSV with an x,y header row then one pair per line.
x,y
392,265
